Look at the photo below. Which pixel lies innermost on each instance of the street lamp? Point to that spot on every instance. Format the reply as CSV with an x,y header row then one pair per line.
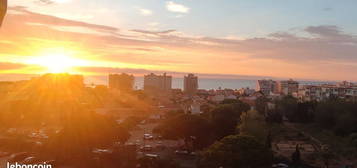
x,y
3,8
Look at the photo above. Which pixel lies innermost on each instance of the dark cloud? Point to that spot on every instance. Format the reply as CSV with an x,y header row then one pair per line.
x,y
154,32
332,34
324,31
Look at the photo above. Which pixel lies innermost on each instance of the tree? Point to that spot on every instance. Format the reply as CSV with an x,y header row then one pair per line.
x,y
353,139
274,116
83,132
325,114
337,115
288,106
236,151
147,162
253,124
230,101
185,126
131,122
237,105
224,119
261,104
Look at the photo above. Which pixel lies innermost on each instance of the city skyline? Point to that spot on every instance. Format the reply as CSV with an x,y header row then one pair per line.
x,y
178,83
164,37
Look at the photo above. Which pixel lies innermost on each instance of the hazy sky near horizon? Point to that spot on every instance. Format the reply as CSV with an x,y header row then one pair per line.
x,y
306,39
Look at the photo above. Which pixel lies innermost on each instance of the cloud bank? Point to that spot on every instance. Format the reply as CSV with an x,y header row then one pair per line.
x,y
316,52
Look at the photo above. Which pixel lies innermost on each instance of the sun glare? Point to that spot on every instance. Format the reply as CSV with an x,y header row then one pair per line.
x,y
57,63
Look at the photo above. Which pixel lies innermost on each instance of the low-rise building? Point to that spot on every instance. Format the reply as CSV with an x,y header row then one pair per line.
x,y
288,87
322,92
245,91
267,87
217,98
122,82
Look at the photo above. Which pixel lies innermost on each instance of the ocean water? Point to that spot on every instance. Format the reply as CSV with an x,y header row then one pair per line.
x,y
203,83
208,83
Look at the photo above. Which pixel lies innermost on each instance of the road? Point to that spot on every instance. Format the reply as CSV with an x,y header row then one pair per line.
x,y
168,151
138,134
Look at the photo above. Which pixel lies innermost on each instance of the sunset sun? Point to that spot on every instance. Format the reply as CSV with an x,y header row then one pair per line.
x,y
57,63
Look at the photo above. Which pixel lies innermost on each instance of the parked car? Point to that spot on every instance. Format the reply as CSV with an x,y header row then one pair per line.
x,y
182,152
185,152
152,156
159,137
148,137
280,165
102,151
160,145
146,148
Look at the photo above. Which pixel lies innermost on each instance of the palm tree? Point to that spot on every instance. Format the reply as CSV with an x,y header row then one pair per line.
x,y
3,8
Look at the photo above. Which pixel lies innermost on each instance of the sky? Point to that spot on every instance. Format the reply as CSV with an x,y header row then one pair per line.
x,y
305,39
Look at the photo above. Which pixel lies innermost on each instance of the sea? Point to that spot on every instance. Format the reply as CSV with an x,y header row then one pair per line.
x,y
208,83
177,82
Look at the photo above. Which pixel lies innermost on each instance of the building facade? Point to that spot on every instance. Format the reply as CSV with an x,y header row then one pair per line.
x,y
288,87
323,92
267,86
157,84
122,82
190,84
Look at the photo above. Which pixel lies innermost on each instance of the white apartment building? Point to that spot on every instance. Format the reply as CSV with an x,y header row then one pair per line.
x,y
267,87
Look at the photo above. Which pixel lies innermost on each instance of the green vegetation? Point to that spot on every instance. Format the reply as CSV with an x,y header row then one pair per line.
x,y
334,114
185,126
253,124
341,145
131,122
337,115
332,121
83,132
236,151
226,116
261,104
221,121
147,162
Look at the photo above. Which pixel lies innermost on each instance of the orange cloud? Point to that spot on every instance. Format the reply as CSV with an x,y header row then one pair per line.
x,y
322,54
